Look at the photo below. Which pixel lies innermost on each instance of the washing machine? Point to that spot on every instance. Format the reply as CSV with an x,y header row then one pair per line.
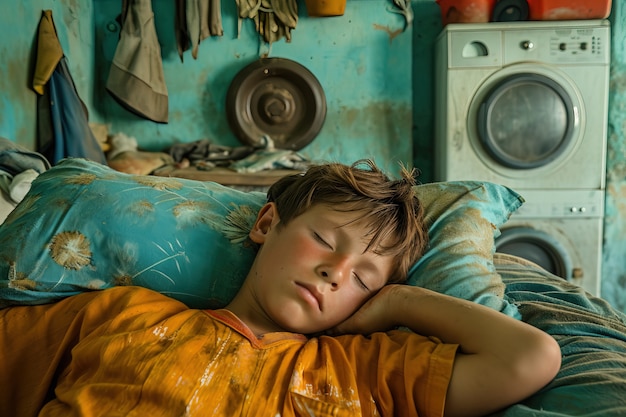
x,y
525,104
560,230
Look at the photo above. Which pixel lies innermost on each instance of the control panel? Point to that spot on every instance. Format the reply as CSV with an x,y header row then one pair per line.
x,y
561,204
558,46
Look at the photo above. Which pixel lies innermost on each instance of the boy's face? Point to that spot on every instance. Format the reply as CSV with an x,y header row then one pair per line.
x,y
313,273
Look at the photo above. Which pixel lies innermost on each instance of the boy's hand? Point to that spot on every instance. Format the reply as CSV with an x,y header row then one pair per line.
x,y
379,313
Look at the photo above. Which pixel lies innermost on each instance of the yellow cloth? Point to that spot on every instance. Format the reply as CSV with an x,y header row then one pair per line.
x,y
49,52
129,351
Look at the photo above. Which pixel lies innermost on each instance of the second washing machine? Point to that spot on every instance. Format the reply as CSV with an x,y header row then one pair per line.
x,y
560,230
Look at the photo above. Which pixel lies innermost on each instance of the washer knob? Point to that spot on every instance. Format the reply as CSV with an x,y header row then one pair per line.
x,y
527,45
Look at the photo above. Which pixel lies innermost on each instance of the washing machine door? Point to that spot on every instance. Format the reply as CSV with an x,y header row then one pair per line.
x,y
526,121
536,246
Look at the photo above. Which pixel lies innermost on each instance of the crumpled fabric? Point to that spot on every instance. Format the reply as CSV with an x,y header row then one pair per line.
x,y
204,151
195,21
403,7
136,79
269,158
273,19
18,168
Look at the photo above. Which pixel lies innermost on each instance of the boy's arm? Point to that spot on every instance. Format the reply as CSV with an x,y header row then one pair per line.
x,y
501,360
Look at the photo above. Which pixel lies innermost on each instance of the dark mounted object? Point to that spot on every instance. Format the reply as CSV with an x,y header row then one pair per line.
x,y
510,11
276,98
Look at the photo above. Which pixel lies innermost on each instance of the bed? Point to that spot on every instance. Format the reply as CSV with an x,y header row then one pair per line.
x,y
187,239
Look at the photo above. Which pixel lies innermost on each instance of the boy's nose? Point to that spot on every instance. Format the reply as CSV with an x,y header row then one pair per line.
x,y
335,272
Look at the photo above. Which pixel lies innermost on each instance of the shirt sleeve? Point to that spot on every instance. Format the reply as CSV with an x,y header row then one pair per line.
x,y
400,373
36,341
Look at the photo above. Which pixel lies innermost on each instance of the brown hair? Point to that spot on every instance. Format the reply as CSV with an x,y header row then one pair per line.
x,y
390,207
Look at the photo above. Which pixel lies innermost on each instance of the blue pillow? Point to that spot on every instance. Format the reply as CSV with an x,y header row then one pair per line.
x,y
463,220
84,226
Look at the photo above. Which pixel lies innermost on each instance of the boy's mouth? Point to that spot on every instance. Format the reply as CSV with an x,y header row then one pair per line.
x,y
310,294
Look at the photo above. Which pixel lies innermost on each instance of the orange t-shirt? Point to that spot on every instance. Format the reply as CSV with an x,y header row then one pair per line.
x,y
129,351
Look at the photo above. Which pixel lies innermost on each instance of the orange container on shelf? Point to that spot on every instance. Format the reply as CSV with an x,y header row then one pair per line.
x,y
325,8
568,9
466,11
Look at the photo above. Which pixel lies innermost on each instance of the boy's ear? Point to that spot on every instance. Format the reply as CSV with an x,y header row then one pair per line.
x,y
266,219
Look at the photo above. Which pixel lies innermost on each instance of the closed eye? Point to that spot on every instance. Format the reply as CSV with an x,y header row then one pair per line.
x,y
321,240
361,283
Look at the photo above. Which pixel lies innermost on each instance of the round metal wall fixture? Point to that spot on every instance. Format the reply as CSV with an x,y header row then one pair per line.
x,y
277,98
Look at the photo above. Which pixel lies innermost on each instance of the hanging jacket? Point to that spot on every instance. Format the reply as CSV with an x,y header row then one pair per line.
x,y
136,78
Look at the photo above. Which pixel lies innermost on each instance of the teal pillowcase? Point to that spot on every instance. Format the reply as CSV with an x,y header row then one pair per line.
x,y
84,226
463,220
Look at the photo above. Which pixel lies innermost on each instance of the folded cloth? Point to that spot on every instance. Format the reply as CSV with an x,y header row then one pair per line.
x,y
18,168
15,158
136,78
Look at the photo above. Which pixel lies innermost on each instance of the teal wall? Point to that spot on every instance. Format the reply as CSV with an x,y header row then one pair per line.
x,y
378,79
18,34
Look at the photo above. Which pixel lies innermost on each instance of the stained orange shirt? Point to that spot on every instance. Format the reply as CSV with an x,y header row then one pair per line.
x,y
129,351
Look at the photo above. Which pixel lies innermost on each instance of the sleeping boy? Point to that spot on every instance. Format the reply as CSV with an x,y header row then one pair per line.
x,y
312,332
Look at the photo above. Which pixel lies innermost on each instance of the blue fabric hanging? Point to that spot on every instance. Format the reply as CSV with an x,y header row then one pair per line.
x,y
72,134
62,117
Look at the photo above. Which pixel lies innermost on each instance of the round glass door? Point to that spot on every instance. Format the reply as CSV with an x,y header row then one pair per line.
x,y
526,121
538,247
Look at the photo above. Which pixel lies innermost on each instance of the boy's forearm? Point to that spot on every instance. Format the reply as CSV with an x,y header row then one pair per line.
x,y
472,326
501,360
